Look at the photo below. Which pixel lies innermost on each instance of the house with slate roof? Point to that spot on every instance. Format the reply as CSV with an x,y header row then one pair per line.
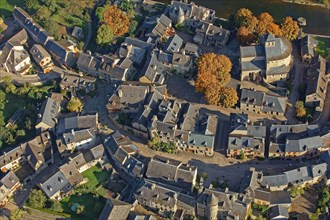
x,y
49,111
9,184
172,172
42,58
260,102
245,137
268,61
153,71
317,84
72,81
222,204
128,98
278,212
13,56
77,122
125,154
158,28
307,48
115,209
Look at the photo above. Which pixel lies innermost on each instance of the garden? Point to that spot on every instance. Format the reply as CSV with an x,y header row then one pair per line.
x,y
323,47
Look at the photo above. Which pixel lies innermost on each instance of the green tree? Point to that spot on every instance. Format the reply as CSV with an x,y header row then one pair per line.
x,y
16,214
53,28
296,191
241,156
57,207
28,123
74,105
37,199
7,80
99,12
132,27
80,209
126,5
104,35
20,133
32,4
324,198
11,88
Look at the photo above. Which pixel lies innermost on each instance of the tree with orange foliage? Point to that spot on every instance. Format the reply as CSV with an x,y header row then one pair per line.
x,y
228,97
242,16
116,19
290,28
212,94
212,69
245,36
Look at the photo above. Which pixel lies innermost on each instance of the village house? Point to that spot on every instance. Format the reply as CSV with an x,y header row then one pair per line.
x,y
302,177
153,71
56,186
76,123
317,83
265,197
260,102
295,141
76,140
49,111
105,67
13,56
128,98
245,138
9,183
125,154
71,172
72,81
158,28
172,172
42,58
268,61
222,204
115,209
278,212
64,52
13,159
307,47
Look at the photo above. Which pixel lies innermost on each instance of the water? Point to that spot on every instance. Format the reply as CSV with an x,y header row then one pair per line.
x,y
318,18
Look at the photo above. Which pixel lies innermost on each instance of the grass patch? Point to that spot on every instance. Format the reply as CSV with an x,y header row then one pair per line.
x,y
7,7
96,176
323,47
93,205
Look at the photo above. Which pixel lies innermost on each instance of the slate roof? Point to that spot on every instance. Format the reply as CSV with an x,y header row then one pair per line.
x,y
57,182
274,180
262,194
267,103
70,80
294,144
181,59
280,198
307,45
278,212
173,44
281,49
153,70
77,122
49,111
252,51
71,172
115,209
201,140
279,133
38,53
191,48
12,155
249,181
7,181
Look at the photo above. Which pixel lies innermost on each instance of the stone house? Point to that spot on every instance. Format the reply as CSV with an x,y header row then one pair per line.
x,y
9,184
42,58
307,48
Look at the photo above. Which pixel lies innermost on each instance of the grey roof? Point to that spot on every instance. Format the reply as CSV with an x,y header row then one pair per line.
x,y
38,53
280,132
129,96
274,180
262,194
21,37
307,45
166,169
280,197
173,44
78,136
97,151
49,111
201,140
153,70
249,181
191,48
255,65
57,182
280,212
317,79
88,63
181,59
281,49
325,156
294,144
9,179
71,80
77,122
71,172
252,51
267,103
13,54
115,209
77,32
240,142
12,155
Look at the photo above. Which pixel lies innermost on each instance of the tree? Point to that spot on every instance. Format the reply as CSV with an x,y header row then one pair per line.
x,y
104,35
324,198
300,109
241,156
16,214
74,105
244,35
53,28
20,133
57,207
212,94
7,80
28,123
289,28
212,70
266,25
296,191
132,27
11,88
32,4
99,12
126,5
37,199
242,16
43,13
80,209
116,19
228,97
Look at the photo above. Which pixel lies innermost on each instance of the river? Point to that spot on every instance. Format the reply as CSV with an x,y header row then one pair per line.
x,y
318,18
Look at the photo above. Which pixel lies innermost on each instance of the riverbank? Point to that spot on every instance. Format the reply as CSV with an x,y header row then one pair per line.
x,y
306,3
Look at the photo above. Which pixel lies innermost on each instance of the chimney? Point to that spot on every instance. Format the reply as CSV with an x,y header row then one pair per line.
x,y
120,93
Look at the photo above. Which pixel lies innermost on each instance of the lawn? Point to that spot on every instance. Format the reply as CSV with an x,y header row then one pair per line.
x,y
93,205
96,177
7,7
323,47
